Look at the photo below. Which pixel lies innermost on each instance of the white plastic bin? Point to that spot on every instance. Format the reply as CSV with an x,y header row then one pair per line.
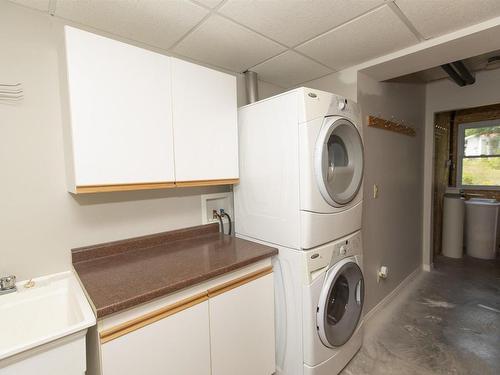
x,y
453,226
482,228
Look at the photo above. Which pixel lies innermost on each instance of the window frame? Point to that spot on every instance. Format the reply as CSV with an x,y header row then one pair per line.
x,y
461,151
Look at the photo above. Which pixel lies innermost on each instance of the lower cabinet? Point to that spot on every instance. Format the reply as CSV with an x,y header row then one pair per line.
x,y
228,329
177,345
242,329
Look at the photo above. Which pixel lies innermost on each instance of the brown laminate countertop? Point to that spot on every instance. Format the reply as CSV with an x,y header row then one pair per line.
x,y
123,274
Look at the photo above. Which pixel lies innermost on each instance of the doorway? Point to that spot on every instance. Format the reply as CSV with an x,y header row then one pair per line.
x,y
466,159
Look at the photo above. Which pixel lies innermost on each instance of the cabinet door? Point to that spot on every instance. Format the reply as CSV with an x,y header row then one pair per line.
x,y
242,329
176,345
205,123
120,111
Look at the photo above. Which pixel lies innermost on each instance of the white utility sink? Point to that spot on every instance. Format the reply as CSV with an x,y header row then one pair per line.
x,y
43,327
482,227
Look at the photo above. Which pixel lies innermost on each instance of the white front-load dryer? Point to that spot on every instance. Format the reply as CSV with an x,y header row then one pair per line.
x,y
331,173
301,169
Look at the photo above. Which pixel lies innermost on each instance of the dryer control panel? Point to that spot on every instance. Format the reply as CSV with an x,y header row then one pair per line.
x,y
342,106
326,255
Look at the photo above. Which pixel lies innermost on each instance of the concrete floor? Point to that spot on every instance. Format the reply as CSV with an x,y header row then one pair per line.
x,y
446,322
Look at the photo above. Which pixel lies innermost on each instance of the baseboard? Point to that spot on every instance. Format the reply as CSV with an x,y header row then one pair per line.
x,y
428,267
388,298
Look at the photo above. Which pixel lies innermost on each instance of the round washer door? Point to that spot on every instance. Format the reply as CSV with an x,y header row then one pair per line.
x,y
338,161
340,303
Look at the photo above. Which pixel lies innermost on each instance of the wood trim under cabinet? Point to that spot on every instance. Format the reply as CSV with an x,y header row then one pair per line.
x,y
227,181
226,287
154,316
86,189
89,189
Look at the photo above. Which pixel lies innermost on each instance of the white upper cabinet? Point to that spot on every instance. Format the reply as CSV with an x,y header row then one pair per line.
x,y
120,113
127,109
205,123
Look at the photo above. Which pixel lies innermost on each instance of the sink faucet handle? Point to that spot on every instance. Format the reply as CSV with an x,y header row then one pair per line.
x,y
8,282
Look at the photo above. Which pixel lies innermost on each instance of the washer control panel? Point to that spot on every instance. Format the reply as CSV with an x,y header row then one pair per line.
x,y
346,247
325,255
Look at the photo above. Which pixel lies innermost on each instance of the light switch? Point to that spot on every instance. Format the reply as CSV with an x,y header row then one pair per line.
x,y
375,191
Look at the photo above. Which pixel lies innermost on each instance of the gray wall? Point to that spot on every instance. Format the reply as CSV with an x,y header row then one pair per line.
x,y
392,223
40,222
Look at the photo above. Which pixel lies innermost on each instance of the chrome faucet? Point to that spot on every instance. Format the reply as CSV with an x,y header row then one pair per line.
x,y
7,284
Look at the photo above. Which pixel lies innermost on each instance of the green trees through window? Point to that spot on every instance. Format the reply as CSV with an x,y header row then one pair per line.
x,y
480,156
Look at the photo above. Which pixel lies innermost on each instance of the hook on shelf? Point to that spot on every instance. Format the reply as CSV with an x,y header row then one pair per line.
x,y
392,125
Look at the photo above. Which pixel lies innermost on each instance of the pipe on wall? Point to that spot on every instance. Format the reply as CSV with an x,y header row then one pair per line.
x,y
252,88
464,72
453,74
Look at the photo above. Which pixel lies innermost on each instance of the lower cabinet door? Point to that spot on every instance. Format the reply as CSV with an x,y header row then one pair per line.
x,y
242,329
176,345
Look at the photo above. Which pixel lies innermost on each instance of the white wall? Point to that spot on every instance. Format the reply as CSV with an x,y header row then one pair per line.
x,y
444,95
265,90
40,222
344,83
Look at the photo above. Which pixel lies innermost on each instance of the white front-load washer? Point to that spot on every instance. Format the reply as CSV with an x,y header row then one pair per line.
x,y
319,307
301,169
333,309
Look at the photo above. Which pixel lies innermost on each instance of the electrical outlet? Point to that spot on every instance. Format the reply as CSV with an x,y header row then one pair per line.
x,y
382,273
217,201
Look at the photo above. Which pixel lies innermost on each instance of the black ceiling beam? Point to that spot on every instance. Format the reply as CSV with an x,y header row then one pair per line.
x,y
453,74
464,72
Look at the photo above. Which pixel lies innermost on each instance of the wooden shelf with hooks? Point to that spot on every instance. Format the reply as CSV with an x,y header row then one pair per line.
x,y
380,123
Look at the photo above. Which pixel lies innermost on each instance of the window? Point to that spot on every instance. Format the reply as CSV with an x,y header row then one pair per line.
x,y
479,155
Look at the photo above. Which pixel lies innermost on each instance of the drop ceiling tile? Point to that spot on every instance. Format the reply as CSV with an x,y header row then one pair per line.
x,y
209,3
290,69
223,43
35,4
158,23
374,34
294,21
436,17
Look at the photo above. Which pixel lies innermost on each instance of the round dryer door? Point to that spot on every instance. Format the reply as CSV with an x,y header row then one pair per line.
x,y
338,161
341,303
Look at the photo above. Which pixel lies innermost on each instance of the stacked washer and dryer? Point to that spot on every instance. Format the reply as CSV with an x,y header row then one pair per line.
x,y
301,172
